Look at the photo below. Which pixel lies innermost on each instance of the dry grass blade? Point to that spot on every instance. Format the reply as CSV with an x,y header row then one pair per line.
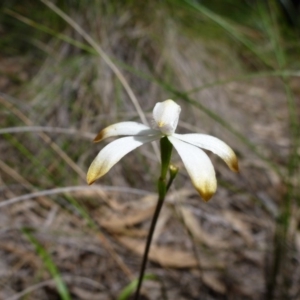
x,y
32,288
51,282
106,58
45,138
49,129
214,283
68,89
14,174
70,189
115,256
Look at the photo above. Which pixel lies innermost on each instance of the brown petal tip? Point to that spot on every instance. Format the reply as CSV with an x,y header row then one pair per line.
x,y
90,182
206,191
100,136
206,196
234,164
90,177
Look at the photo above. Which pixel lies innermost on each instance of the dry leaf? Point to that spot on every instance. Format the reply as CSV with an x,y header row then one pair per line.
x,y
118,221
193,226
214,283
167,256
240,226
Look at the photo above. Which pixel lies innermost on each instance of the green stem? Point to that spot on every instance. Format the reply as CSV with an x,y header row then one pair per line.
x,y
166,151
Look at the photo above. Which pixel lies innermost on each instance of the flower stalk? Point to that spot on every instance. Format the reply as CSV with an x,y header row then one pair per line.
x,y
189,147
166,152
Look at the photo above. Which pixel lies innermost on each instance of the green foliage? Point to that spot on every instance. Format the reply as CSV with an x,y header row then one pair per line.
x,y
131,287
68,91
49,264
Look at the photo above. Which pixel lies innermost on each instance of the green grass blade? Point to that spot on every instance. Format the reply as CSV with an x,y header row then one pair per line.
x,y
229,28
48,262
131,287
277,269
36,163
243,77
48,30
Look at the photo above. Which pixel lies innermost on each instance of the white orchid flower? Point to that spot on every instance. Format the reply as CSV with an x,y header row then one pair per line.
x,y
188,146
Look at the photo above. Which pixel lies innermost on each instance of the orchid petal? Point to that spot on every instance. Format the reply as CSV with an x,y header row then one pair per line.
x,y
124,128
198,166
213,144
166,115
113,152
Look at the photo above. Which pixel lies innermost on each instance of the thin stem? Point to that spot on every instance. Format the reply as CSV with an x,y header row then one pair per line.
x,y
166,152
149,240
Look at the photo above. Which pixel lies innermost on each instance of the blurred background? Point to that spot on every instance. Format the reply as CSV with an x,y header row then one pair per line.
x,y
234,68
